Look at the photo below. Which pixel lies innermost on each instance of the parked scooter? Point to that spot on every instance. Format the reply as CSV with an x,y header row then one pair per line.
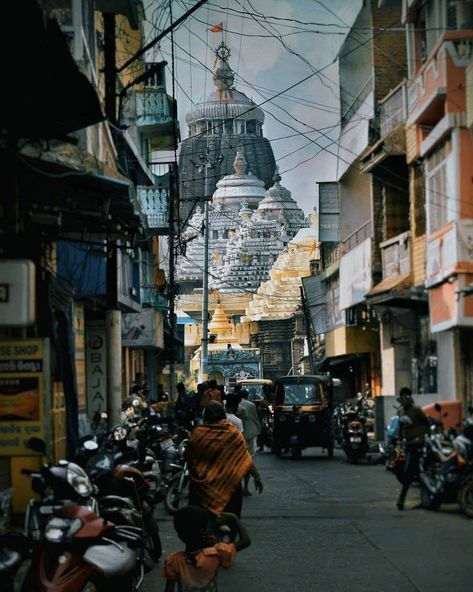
x,y
72,548
354,434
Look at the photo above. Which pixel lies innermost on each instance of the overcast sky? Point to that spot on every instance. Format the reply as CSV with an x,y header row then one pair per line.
x,y
264,67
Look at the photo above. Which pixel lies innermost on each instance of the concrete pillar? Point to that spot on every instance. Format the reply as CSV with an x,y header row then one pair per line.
x,y
113,328
448,369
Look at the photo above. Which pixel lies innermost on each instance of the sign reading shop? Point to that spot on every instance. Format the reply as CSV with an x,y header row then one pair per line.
x,y
24,394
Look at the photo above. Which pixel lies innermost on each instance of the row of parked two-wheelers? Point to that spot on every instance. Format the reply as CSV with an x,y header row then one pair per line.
x,y
446,462
93,526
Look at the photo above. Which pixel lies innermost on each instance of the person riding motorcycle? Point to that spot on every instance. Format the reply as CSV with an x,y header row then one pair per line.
x,y
413,425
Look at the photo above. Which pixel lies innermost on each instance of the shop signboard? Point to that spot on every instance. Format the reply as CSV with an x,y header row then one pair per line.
x,y
96,367
24,394
329,209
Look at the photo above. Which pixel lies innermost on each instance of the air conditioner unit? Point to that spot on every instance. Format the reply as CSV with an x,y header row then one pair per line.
x,y
17,292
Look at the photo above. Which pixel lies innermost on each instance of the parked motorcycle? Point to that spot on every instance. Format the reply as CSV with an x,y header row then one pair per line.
x,y
70,547
354,434
177,493
446,467
126,495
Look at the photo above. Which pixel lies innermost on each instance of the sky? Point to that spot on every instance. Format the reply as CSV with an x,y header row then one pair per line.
x,y
270,52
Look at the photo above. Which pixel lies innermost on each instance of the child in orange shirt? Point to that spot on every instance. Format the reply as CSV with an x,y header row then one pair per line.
x,y
195,569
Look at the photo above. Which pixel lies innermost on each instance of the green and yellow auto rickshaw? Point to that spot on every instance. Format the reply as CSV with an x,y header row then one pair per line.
x,y
303,408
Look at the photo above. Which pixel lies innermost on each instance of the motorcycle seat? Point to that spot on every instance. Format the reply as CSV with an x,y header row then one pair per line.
x,y
111,560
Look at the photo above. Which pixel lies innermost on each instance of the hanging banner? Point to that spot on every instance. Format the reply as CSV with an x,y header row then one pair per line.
x,y
355,275
24,394
96,367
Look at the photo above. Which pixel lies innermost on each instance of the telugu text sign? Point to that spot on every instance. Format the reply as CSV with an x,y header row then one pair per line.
x,y
22,394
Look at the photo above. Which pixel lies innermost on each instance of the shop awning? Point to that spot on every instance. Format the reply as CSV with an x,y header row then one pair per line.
x,y
396,291
83,203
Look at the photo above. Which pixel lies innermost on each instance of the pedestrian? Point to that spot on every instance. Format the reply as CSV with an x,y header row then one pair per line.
x,y
218,461
413,425
195,569
212,393
231,408
248,413
184,405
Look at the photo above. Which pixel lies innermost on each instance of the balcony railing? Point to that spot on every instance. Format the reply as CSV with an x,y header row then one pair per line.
x,y
152,298
396,255
357,237
155,203
393,110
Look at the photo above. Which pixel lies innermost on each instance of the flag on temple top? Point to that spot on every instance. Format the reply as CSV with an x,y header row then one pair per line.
x,y
216,28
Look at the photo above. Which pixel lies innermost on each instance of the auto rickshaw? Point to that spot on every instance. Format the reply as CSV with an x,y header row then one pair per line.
x,y
303,408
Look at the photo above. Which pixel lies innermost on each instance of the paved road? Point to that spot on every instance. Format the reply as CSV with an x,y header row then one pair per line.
x,y
327,526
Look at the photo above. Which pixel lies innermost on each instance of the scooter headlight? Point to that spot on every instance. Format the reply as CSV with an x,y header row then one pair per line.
x,y
119,433
78,480
58,530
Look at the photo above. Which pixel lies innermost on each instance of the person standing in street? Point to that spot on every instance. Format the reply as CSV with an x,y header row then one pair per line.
x,y
212,393
218,461
413,424
248,413
231,409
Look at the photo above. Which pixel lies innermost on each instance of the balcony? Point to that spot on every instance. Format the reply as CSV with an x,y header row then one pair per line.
x,y
357,237
393,110
155,119
437,84
396,256
153,299
154,200
449,252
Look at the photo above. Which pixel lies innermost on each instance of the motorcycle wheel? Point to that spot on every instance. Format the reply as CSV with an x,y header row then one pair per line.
x,y
465,499
427,499
153,546
176,497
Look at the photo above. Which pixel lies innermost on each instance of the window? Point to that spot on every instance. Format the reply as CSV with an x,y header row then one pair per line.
x,y
436,189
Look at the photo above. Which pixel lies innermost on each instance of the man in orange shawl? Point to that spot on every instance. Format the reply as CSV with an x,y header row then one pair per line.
x,y
218,461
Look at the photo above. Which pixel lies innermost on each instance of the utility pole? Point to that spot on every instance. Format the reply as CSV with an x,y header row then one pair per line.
x,y
207,163
173,200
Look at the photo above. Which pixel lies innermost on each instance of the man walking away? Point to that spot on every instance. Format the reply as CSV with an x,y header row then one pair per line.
x,y
413,423
248,413
231,409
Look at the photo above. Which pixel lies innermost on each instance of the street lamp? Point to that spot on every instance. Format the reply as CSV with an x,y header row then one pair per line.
x,y
206,163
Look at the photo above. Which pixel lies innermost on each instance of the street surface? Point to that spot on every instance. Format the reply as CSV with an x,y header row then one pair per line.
x,y
325,525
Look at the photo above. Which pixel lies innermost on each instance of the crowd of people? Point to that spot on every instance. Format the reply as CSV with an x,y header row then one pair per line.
x,y
220,456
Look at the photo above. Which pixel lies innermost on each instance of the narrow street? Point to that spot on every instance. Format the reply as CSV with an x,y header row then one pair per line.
x,y
327,525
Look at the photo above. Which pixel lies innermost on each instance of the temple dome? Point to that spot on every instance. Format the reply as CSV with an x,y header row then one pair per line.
x,y
279,198
221,326
225,122
240,187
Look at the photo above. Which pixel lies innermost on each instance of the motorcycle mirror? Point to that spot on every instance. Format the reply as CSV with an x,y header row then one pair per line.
x,y
37,445
438,407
